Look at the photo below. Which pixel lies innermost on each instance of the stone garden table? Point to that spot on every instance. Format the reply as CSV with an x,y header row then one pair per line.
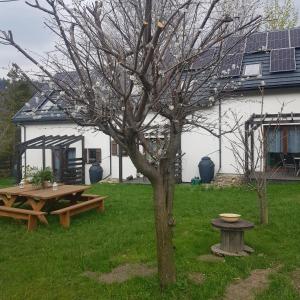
x,y
232,238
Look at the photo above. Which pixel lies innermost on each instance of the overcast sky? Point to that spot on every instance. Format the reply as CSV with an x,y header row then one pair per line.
x,y
29,31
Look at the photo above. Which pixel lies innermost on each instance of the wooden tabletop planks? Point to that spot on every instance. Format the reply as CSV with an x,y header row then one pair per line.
x,y
49,193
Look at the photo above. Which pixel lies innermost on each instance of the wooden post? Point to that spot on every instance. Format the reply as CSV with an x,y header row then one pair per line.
x,y
19,163
44,153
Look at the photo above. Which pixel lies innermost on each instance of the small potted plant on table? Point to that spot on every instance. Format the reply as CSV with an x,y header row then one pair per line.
x,y
41,178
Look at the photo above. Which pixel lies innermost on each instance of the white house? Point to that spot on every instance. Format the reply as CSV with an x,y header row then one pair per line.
x,y
270,60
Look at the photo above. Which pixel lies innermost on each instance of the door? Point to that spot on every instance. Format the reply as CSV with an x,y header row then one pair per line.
x,y
57,164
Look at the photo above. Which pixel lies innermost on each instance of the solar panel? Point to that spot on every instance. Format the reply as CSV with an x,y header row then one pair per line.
x,y
256,42
205,59
278,39
283,60
234,44
231,65
295,37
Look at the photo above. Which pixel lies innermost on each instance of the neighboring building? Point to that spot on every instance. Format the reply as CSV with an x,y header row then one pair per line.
x,y
271,60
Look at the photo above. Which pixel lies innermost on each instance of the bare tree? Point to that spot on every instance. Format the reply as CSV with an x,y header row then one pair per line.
x,y
255,155
139,69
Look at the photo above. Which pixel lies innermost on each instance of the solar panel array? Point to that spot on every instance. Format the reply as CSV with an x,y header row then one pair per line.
x,y
205,59
234,44
283,60
256,42
295,37
281,43
231,65
278,39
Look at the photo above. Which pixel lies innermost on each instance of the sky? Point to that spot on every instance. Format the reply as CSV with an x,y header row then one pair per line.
x,y
29,31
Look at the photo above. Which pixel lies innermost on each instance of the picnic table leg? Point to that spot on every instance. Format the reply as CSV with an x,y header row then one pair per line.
x,y
37,206
32,222
8,200
65,219
101,206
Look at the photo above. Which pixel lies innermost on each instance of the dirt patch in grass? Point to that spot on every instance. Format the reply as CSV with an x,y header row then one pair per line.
x,y
246,289
296,279
210,258
122,273
197,278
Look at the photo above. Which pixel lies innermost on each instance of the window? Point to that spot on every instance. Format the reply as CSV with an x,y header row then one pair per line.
x,y
294,139
282,140
115,149
252,70
93,155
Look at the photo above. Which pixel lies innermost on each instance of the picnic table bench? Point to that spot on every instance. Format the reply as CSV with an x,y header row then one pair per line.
x,y
30,216
38,198
66,213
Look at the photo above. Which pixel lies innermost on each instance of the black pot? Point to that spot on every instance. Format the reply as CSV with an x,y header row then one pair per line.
x,y
96,173
206,169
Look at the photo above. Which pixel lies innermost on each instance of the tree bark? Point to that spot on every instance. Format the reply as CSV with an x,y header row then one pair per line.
x,y
164,234
263,202
162,178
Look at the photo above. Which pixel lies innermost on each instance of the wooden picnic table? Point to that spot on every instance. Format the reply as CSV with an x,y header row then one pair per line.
x,y
37,198
11,194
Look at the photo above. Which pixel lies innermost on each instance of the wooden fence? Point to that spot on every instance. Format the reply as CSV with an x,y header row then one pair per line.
x,y
5,168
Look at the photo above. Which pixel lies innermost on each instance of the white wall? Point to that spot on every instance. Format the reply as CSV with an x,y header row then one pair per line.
x,y
128,167
197,143
93,139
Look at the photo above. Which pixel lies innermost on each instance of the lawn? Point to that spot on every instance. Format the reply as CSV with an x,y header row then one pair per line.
x,y
48,263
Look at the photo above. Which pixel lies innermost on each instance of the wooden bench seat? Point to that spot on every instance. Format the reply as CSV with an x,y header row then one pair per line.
x,y
66,213
88,197
22,214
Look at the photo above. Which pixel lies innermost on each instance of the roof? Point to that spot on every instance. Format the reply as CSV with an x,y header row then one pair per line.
x,y
42,108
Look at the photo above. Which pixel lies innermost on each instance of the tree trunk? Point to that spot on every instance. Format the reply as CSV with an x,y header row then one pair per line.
x,y
164,233
263,203
162,178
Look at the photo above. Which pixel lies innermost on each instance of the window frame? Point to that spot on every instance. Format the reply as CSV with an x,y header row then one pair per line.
x,y
97,159
252,75
115,149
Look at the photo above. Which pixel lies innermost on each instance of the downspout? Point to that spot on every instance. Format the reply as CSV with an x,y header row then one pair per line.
x,y
120,164
110,160
220,135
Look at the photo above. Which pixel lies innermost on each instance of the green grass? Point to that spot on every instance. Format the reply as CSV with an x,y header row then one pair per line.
x,y
48,263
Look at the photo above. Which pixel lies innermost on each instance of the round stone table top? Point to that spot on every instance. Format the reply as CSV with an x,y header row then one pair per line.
x,y
239,225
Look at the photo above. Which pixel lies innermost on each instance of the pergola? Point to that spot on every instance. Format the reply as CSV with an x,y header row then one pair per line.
x,y
47,142
255,122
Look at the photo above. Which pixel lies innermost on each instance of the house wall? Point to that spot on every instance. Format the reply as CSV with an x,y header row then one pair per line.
x,y
93,139
198,143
